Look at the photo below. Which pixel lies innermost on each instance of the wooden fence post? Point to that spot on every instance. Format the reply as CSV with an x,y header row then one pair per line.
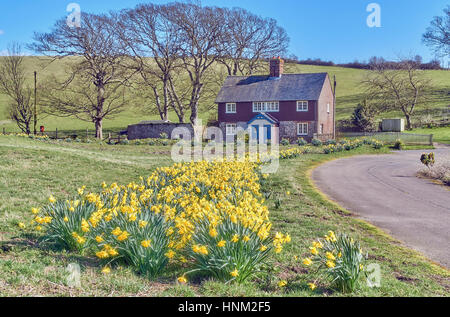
x,y
87,134
4,131
119,139
56,134
109,137
431,139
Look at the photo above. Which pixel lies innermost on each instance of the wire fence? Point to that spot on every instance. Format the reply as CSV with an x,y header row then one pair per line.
x,y
392,137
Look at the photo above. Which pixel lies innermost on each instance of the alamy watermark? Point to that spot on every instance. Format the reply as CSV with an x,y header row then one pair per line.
x,y
374,18
373,275
243,144
74,275
74,18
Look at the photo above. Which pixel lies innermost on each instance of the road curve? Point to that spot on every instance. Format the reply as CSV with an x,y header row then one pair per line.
x,y
384,190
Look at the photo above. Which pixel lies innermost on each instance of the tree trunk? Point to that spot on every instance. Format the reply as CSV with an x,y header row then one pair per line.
x,y
235,68
99,115
194,102
165,116
408,122
194,113
99,129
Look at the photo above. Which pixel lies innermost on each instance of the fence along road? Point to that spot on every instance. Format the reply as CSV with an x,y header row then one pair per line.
x,y
384,190
391,137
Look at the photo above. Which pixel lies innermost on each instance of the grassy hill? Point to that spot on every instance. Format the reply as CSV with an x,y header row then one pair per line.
x,y
349,93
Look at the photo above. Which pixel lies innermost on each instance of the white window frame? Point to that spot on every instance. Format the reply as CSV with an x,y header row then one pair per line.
x,y
230,107
301,128
231,128
301,106
266,106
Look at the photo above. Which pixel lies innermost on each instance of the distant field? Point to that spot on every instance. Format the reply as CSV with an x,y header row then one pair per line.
x,y
349,93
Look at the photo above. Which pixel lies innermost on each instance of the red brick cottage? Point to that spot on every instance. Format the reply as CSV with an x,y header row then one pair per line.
x,y
301,105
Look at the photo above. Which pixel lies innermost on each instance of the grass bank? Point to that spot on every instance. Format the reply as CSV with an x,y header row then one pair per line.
x,y
32,170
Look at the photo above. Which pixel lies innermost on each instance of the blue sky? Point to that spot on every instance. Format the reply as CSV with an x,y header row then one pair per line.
x,y
326,29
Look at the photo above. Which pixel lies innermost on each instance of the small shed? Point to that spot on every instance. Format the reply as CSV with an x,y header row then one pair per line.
x,y
393,125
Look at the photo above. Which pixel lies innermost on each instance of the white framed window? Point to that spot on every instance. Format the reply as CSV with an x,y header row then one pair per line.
x,y
230,108
302,128
302,106
266,106
231,128
328,107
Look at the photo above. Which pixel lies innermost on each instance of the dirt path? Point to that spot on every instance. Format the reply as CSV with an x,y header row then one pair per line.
x,y
385,191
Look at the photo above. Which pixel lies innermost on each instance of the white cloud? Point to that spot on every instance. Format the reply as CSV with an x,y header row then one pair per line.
x,y
2,32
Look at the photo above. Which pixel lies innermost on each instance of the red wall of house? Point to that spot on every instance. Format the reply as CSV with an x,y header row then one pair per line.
x,y
288,112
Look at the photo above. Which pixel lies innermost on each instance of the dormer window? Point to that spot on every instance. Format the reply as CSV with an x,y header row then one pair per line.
x,y
302,106
230,108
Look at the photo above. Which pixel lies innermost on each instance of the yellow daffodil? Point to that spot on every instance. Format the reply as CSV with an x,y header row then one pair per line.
x,y
221,243
307,261
330,256
116,231
123,236
282,283
170,254
314,251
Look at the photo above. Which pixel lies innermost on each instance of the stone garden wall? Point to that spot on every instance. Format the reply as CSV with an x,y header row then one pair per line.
x,y
154,130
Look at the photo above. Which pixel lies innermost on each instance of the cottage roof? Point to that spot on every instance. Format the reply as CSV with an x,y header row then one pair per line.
x,y
265,88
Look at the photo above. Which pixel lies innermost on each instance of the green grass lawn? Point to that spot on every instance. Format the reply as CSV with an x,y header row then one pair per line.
x,y
32,170
440,135
349,94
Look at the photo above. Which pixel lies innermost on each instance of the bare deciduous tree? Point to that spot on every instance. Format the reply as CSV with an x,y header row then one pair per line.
x,y
201,29
248,39
13,84
401,89
437,35
96,74
147,31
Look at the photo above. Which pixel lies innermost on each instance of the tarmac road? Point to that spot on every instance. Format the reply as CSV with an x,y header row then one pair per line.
x,y
385,191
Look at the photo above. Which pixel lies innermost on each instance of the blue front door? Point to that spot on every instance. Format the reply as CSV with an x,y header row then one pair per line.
x,y
266,130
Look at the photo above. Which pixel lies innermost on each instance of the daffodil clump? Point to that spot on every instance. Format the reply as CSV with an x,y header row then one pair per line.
x,y
340,258
345,144
292,153
208,216
64,222
31,136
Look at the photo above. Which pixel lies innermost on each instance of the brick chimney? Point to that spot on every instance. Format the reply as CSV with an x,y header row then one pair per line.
x,y
276,67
